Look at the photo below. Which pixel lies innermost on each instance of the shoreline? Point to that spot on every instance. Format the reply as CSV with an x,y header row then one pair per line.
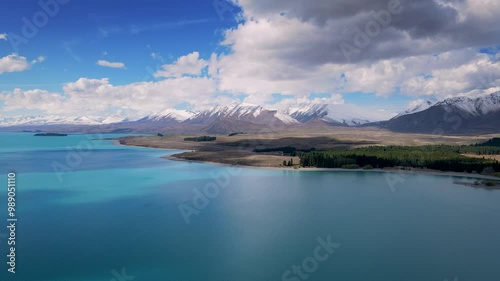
x,y
411,171
313,169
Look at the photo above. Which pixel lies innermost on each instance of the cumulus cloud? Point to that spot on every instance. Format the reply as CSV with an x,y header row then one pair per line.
x,y
14,63
310,33
106,63
454,74
190,64
98,97
3,36
32,99
294,47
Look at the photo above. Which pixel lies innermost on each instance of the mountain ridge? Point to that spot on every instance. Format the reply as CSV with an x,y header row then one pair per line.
x,y
459,115
475,114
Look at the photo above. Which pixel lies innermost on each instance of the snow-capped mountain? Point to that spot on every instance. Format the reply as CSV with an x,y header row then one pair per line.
x,y
56,120
244,112
473,106
172,115
307,112
453,116
417,107
346,114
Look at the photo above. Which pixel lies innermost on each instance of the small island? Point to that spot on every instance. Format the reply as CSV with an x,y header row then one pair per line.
x,y
50,135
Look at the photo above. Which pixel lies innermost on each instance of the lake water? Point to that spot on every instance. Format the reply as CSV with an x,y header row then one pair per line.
x,y
91,210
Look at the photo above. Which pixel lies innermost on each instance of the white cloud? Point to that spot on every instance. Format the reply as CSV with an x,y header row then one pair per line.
x,y
291,47
298,55
286,103
438,76
106,63
156,56
32,99
3,36
454,74
352,111
190,64
38,60
98,97
14,63
311,33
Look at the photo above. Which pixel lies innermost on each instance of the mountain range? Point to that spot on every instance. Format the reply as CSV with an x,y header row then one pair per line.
x,y
461,115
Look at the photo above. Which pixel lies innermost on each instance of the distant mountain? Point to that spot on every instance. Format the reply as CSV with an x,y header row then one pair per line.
x,y
343,114
461,115
223,126
55,120
420,106
307,112
243,112
168,116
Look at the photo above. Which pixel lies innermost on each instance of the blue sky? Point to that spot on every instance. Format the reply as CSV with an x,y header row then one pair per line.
x,y
194,55
115,30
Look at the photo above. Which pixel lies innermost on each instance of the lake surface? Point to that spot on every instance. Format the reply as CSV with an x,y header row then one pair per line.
x,y
91,210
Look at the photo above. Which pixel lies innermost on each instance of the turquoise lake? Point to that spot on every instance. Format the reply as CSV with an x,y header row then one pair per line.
x,y
91,210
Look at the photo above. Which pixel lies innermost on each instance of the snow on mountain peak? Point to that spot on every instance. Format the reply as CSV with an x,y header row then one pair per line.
x,y
243,111
416,106
347,114
178,115
306,112
474,106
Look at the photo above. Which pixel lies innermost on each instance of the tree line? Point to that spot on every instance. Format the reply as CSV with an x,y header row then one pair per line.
x,y
202,138
438,157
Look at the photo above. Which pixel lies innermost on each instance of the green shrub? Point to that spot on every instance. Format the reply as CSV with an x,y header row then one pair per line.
x,y
202,138
368,167
490,183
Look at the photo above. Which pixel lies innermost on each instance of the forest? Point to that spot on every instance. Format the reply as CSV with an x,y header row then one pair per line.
x,y
437,157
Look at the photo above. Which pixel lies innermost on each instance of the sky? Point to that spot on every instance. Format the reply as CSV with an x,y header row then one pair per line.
x,y
134,58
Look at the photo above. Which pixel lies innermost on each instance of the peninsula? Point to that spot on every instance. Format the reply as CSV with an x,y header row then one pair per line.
x,y
346,148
